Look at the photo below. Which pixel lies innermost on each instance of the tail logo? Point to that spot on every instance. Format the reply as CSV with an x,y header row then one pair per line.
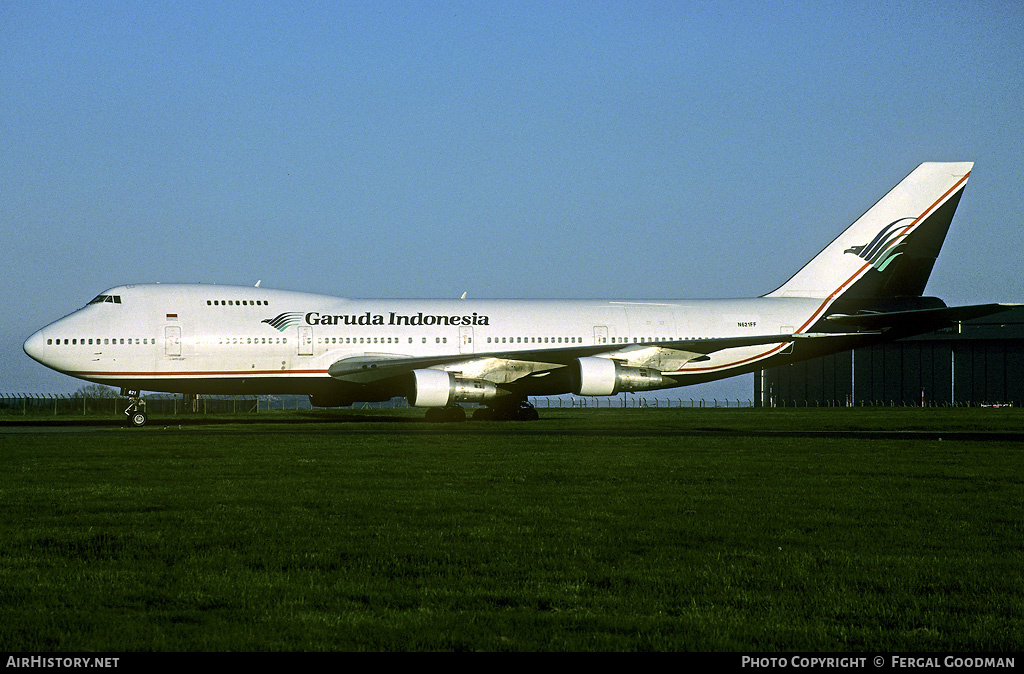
x,y
284,321
886,246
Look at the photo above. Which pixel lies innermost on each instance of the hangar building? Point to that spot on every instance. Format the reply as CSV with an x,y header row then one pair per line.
x,y
975,362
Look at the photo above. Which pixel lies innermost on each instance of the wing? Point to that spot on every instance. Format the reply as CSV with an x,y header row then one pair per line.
x,y
507,366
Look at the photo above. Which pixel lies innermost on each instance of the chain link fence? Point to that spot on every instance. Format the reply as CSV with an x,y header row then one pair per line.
x,y
12,404
23,404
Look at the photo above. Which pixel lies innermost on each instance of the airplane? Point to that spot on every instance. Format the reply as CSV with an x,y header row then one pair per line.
x,y
865,287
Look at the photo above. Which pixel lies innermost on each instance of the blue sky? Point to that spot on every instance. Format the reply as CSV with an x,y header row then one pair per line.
x,y
516,149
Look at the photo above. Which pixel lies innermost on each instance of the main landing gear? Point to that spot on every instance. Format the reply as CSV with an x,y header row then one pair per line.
x,y
443,415
136,410
521,411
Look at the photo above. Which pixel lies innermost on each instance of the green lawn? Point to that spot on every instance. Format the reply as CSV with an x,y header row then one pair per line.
x,y
327,537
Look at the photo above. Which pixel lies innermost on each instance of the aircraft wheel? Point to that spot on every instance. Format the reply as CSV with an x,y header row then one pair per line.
x,y
528,414
137,419
441,415
522,413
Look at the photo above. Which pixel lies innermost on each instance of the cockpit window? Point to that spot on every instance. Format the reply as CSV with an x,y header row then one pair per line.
x,y
113,299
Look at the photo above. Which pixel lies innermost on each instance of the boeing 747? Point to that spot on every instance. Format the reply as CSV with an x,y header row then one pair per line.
x,y
866,286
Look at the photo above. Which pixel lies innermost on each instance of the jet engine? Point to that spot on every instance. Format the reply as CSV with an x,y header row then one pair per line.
x,y
437,388
606,377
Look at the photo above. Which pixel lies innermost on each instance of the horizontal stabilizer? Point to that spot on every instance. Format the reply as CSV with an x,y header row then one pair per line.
x,y
924,318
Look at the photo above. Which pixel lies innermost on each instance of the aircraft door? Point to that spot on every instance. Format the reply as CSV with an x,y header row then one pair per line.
x,y
172,340
466,339
600,334
787,330
305,340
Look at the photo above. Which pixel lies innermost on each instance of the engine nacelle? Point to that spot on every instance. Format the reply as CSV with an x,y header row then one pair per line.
x,y
606,377
437,388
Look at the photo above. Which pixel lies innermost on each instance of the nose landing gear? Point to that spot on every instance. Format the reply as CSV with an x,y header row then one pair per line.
x,y
136,410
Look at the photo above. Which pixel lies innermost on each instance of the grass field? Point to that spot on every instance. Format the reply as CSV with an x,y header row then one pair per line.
x,y
386,533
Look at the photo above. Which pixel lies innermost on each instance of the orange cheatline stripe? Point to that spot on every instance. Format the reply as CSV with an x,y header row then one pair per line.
x,y
838,291
204,373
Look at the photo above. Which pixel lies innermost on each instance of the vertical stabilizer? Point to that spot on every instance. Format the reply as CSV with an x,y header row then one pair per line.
x,y
890,250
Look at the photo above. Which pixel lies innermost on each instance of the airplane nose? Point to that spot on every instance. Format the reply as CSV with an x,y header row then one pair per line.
x,y
34,346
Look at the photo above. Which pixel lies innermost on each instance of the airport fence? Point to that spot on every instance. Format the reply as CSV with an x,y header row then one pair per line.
x,y
69,404
633,402
23,404
785,402
56,404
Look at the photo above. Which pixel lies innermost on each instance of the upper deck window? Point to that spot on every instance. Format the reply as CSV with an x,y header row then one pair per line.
x,y
113,299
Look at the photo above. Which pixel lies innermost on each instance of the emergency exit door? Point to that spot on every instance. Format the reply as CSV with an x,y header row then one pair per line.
x,y
172,340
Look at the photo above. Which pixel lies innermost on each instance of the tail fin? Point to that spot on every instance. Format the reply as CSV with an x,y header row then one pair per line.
x,y
890,250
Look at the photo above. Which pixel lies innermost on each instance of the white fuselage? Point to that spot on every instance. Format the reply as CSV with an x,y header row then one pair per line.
x,y
228,339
